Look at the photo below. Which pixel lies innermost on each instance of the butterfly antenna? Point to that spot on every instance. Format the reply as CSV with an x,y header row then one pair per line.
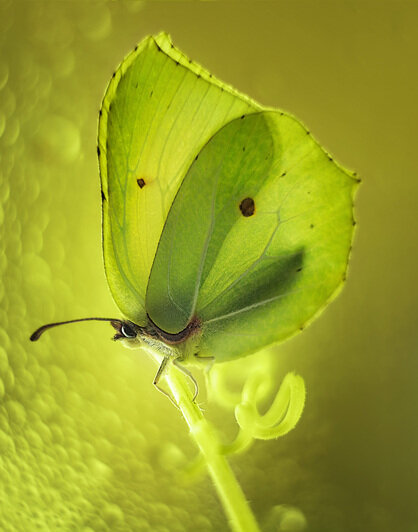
x,y
37,334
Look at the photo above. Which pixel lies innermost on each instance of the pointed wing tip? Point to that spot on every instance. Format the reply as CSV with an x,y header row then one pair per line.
x,y
164,43
162,36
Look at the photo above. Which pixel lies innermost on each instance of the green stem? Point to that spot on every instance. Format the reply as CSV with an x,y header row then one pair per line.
x,y
230,493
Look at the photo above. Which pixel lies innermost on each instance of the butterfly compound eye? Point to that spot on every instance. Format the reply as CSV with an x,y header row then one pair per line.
x,y
127,331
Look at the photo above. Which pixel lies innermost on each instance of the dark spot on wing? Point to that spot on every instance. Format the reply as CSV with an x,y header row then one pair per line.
x,y
103,196
136,48
100,112
247,207
312,226
114,74
299,269
141,182
243,116
283,174
98,151
151,93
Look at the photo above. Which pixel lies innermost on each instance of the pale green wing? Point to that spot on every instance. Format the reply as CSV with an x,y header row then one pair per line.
x,y
160,108
257,239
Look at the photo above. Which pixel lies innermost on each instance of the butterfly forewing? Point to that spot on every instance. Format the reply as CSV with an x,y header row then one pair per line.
x,y
158,112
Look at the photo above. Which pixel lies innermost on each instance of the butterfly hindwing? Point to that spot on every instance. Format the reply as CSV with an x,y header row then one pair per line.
x,y
257,238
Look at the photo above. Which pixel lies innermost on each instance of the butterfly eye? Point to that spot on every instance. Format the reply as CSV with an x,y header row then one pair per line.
x,y
127,331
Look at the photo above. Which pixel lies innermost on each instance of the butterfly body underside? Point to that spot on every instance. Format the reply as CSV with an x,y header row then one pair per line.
x,y
226,227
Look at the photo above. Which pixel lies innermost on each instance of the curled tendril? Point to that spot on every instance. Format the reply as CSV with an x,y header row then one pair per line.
x,y
283,414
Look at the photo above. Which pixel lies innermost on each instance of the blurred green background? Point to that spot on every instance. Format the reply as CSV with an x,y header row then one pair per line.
x,y
86,443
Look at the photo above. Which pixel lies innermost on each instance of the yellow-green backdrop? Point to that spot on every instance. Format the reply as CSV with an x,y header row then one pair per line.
x,y
86,442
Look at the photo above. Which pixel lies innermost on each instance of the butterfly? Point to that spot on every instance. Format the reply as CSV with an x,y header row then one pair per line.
x,y
226,227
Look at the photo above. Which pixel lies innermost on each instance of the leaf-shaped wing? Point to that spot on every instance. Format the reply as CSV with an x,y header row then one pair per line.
x,y
159,109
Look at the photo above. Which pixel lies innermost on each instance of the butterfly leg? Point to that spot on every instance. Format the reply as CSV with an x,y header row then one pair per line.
x,y
157,378
208,360
188,374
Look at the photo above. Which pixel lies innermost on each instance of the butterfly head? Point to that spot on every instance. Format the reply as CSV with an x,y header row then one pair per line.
x,y
127,332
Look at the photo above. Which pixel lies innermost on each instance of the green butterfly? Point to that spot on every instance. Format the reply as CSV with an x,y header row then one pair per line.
x,y
226,227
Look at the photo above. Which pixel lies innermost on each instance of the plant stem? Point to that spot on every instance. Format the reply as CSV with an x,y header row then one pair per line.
x,y
230,493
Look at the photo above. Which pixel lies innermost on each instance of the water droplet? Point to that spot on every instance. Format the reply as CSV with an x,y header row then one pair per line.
x,y
36,271
59,379
8,102
51,26
64,63
33,239
32,190
58,137
43,85
4,339
17,413
286,518
113,515
12,132
6,443
4,189
4,361
34,440
171,457
2,123
96,23
99,469
4,74
133,6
